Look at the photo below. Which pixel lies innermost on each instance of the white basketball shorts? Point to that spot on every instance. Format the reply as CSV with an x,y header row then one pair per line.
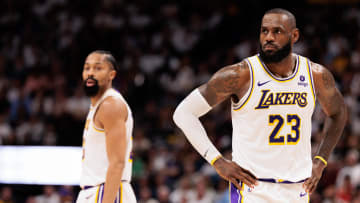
x,y
95,194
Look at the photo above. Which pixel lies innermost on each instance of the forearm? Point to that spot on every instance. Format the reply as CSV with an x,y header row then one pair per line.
x,y
112,182
186,117
332,131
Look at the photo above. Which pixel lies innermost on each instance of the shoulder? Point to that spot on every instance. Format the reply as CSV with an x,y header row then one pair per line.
x,y
323,78
234,70
112,107
229,80
231,75
318,69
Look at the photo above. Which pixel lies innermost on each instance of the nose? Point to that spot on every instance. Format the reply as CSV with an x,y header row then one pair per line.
x,y
269,37
89,73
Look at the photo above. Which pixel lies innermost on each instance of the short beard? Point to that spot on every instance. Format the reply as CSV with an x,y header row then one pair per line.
x,y
275,56
92,90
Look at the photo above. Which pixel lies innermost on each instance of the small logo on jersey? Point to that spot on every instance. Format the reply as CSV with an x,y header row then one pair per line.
x,y
262,83
249,190
302,194
302,78
302,83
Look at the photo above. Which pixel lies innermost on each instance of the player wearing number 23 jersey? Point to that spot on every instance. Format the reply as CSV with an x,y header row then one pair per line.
x,y
273,122
272,97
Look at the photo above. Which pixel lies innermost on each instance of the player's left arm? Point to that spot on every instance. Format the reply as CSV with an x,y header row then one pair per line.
x,y
333,105
113,114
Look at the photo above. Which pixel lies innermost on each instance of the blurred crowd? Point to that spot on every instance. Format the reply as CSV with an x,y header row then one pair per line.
x,y
164,49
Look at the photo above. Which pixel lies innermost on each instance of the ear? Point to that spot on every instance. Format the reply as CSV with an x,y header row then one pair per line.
x,y
295,35
112,74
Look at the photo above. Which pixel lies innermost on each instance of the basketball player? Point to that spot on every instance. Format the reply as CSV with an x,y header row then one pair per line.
x,y
107,141
273,97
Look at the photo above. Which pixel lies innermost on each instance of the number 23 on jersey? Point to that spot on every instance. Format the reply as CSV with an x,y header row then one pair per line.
x,y
293,137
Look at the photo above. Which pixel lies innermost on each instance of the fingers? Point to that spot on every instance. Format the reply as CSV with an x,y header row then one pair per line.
x,y
310,185
234,173
249,173
246,176
247,179
250,177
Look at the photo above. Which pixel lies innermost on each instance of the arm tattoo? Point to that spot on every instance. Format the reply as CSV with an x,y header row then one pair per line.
x,y
224,83
328,80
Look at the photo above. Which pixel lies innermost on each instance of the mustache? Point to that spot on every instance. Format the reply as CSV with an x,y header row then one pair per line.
x,y
91,78
270,43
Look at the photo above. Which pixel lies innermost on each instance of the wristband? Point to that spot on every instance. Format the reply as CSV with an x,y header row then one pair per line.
x,y
321,159
215,159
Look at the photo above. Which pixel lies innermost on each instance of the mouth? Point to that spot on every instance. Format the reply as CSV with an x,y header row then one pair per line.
x,y
90,82
270,47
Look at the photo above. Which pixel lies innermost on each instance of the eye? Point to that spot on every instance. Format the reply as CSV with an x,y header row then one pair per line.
x,y
278,31
86,68
264,31
98,68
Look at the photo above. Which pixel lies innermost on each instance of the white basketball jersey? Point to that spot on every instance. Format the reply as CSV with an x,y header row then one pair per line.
x,y
95,161
272,123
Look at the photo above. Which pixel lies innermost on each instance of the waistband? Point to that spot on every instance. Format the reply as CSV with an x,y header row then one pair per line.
x,y
85,187
271,180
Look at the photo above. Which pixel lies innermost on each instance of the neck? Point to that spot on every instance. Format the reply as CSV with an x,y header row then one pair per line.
x,y
284,68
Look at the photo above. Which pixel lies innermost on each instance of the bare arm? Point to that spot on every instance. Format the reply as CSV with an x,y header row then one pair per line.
x,y
229,81
332,103
113,114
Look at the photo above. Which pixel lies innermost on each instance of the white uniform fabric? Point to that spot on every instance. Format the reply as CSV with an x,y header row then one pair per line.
x,y
269,192
186,117
272,123
95,162
95,194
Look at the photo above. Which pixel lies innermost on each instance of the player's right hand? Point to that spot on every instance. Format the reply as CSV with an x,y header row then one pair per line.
x,y
232,172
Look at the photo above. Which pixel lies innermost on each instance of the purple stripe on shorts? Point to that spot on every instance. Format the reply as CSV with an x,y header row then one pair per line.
x,y
235,195
117,199
102,192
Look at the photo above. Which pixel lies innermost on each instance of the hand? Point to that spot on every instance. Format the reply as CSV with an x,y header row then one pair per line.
x,y
317,170
232,172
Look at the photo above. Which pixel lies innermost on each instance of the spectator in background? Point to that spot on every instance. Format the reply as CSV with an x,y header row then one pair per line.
x,y
351,169
163,193
31,199
6,195
50,195
222,195
344,193
66,193
182,191
203,192
145,195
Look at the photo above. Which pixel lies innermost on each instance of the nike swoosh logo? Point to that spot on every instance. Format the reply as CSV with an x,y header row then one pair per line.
x,y
89,196
302,194
261,84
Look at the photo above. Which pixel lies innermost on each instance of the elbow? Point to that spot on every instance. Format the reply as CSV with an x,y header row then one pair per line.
x,y
342,115
117,165
181,115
